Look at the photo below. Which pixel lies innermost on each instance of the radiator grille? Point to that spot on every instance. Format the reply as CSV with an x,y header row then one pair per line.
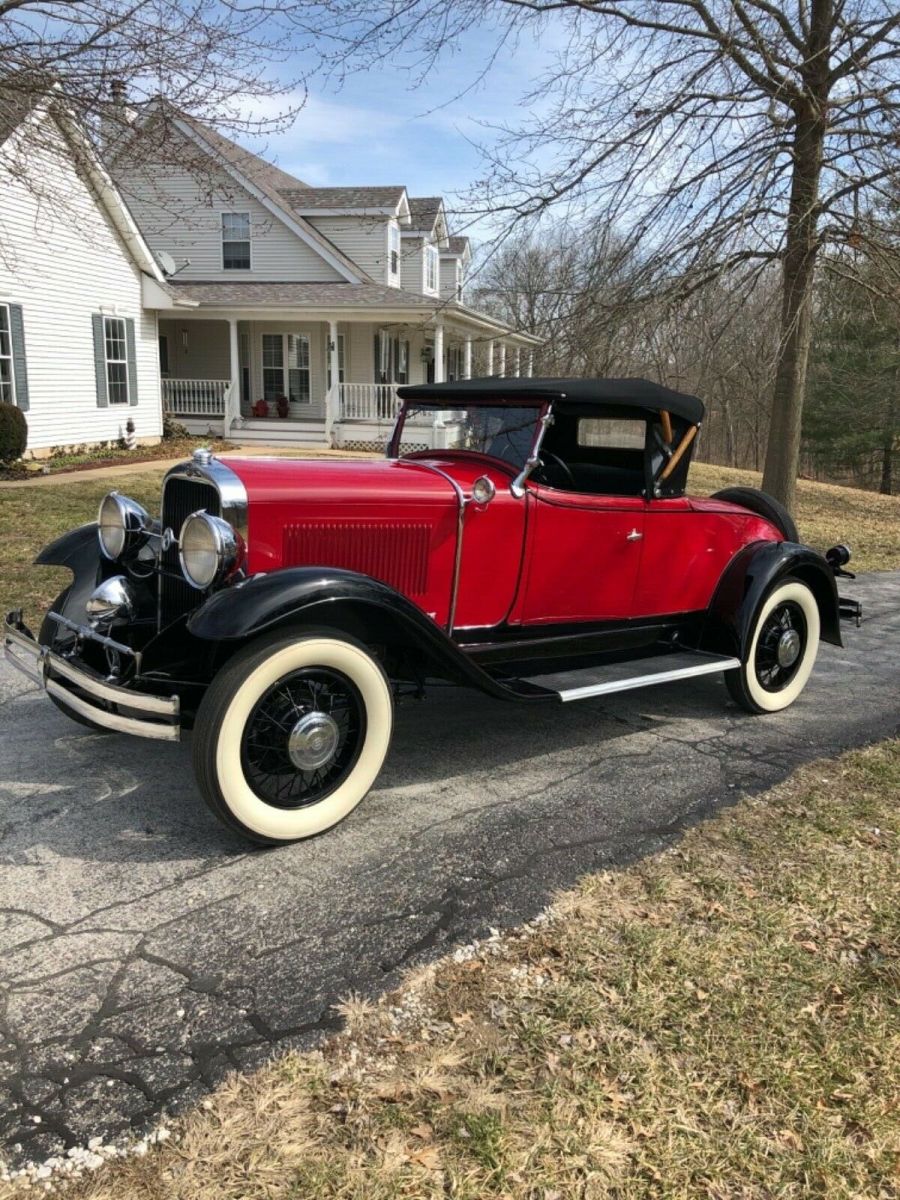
x,y
395,554
181,497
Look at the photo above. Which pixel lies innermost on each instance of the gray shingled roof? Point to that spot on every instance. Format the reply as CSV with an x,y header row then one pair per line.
x,y
308,199
301,295
424,211
267,177
457,245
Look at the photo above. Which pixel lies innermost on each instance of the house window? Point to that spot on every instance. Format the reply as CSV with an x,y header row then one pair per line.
x,y
341,360
454,363
116,348
286,367
7,378
164,355
402,373
459,280
431,268
394,249
391,359
236,241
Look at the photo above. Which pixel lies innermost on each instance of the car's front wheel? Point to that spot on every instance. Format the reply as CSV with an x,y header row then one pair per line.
x,y
782,650
292,734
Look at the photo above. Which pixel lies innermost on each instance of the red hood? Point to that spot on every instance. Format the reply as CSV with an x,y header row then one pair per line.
x,y
328,481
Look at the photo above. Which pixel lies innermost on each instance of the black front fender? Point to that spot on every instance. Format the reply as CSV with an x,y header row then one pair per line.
x,y
358,604
748,579
79,551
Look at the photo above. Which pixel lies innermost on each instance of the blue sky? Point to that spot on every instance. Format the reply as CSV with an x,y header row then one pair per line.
x,y
380,129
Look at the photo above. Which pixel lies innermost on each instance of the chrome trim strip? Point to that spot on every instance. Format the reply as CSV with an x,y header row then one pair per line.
x,y
637,681
13,637
132,725
517,487
461,501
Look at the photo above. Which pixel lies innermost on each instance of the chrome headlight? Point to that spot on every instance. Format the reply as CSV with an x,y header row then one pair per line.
x,y
209,550
122,524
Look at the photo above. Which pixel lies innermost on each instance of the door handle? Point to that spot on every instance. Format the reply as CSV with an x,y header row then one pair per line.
x,y
634,536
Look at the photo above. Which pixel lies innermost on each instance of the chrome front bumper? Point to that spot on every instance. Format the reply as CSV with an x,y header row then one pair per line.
x,y
156,716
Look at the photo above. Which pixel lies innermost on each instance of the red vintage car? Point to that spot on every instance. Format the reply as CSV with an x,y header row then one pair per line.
x,y
546,553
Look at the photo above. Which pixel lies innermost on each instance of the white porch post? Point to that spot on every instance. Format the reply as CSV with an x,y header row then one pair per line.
x,y
502,371
333,395
438,352
233,409
467,358
490,358
530,365
518,363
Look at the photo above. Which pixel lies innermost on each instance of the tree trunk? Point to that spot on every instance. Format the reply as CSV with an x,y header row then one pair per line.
x,y
801,245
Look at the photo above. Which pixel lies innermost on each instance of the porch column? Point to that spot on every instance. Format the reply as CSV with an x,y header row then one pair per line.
x,y
333,395
467,358
490,358
233,408
502,371
518,363
439,352
530,364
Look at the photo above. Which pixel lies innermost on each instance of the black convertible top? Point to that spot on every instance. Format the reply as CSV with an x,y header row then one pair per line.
x,y
577,393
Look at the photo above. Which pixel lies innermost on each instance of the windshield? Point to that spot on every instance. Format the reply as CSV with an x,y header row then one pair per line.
x,y
504,431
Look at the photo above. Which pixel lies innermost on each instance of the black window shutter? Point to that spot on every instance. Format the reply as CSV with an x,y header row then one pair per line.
x,y
100,360
132,362
20,365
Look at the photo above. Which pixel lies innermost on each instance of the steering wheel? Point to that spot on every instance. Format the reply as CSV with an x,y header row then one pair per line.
x,y
570,478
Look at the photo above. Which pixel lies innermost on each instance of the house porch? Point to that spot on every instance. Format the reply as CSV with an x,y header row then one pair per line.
x,y
314,382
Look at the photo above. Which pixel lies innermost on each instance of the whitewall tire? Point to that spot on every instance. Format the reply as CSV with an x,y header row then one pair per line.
x,y
292,734
782,650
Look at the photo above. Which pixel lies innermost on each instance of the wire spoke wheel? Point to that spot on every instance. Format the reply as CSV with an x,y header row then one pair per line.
x,y
303,737
780,646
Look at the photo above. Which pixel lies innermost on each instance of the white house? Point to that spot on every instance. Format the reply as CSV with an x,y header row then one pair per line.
x,y
78,289
323,298
185,274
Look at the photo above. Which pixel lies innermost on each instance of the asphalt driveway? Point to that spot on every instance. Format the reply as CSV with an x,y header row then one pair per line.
x,y
144,951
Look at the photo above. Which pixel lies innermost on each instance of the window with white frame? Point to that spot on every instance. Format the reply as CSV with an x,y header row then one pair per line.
x,y
393,249
115,344
7,376
431,268
459,279
286,367
236,241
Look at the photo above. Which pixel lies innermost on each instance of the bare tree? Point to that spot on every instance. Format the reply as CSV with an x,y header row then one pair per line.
x,y
718,135
210,60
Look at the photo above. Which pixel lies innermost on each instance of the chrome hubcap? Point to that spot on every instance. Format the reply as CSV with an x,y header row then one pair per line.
x,y
313,741
789,646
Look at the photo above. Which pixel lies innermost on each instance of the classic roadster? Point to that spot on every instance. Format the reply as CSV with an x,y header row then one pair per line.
x,y
545,553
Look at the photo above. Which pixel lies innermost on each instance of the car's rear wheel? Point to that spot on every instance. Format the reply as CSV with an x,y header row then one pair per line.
x,y
782,650
292,734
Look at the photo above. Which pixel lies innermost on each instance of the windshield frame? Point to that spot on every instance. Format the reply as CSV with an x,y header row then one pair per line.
x,y
541,409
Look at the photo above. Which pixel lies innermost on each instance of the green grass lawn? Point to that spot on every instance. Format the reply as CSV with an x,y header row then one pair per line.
x,y
32,514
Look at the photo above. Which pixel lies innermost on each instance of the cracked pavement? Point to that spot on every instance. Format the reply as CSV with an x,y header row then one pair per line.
x,y
145,951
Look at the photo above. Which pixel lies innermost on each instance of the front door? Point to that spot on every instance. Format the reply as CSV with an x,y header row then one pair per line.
x,y
582,557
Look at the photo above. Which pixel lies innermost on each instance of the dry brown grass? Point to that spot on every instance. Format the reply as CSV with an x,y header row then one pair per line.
x,y
719,1021
827,514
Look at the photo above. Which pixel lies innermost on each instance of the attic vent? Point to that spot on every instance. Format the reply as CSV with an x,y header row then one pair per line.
x,y
395,554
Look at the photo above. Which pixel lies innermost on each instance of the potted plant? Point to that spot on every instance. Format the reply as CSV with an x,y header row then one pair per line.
x,y
261,408
281,403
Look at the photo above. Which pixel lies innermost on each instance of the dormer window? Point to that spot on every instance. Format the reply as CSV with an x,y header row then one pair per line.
x,y
459,280
394,249
236,241
431,268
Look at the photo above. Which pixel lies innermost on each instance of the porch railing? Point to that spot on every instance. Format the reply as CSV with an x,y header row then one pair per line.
x,y
368,401
195,397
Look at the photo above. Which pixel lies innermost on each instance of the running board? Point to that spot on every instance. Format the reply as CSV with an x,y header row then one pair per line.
x,y
623,676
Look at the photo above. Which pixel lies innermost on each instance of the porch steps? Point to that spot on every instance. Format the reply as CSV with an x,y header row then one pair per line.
x,y
276,432
623,676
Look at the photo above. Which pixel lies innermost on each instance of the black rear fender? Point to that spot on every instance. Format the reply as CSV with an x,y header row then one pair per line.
x,y
749,578
363,607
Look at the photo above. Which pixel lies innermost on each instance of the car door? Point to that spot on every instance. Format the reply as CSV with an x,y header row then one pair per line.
x,y
582,557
